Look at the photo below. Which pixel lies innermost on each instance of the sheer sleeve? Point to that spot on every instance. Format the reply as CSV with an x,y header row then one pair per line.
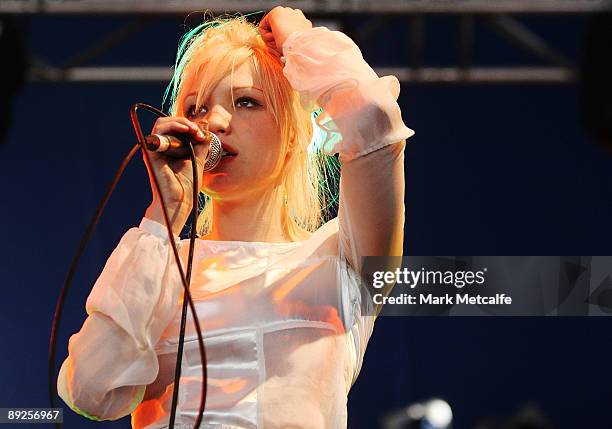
x,y
328,70
112,359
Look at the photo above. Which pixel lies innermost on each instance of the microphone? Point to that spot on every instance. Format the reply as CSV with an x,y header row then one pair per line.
x,y
175,146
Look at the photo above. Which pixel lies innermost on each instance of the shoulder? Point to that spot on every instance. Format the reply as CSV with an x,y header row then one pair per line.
x,y
327,231
323,241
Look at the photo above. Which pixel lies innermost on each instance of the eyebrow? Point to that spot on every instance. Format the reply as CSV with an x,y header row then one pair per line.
x,y
233,88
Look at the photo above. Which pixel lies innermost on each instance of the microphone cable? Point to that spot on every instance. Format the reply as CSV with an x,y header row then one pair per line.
x,y
185,280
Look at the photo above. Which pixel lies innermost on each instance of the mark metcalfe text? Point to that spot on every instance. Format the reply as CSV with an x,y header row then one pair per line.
x,y
423,277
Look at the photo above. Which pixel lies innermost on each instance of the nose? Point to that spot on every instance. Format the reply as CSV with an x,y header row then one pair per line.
x,y
219,120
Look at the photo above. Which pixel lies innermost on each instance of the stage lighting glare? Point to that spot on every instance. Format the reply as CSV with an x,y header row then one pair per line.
x,y
416,411
439,413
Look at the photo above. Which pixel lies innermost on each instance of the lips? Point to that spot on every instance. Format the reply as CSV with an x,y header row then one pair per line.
x,y
228,150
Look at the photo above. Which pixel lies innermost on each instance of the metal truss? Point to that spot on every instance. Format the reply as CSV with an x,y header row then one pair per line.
x,y
422,75
498,15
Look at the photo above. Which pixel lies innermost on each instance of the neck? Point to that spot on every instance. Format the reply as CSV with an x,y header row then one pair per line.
x,y
253,218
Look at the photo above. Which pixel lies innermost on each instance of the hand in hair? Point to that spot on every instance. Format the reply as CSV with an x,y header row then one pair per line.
x,y
279,23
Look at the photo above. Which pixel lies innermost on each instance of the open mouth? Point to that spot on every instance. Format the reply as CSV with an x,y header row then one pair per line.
x,y
227,151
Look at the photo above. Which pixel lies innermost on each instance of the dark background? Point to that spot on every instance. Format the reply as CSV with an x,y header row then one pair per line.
x,y
492,170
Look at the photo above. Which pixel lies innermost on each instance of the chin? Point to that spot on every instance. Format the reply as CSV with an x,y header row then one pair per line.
x,y
224,186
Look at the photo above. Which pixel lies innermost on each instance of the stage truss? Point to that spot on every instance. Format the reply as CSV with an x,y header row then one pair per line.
x,y
500,15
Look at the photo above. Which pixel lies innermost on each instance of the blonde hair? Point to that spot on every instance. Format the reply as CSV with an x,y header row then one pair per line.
x,y
218,47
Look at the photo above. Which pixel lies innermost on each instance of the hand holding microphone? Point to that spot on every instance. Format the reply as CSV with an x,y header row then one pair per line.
x,y
174,171
177,147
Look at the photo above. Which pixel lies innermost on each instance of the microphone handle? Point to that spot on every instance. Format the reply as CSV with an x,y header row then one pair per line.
x,y
176,147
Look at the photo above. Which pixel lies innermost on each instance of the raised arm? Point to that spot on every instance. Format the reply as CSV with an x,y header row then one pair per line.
x,y
112,358
328,70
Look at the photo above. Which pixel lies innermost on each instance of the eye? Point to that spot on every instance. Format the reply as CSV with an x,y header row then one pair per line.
x,y
247,102
192,112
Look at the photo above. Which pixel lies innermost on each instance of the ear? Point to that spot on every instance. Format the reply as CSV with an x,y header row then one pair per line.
x,y
290,146
290,151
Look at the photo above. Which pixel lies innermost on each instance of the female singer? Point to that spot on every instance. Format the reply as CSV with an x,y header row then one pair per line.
x,y
277,294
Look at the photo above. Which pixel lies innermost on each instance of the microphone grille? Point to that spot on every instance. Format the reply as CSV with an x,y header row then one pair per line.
x,y
215,151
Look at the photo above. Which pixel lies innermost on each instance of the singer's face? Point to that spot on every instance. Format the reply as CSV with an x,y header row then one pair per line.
x,y
246,127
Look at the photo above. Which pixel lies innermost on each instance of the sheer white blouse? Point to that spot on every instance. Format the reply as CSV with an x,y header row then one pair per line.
x,y
285,325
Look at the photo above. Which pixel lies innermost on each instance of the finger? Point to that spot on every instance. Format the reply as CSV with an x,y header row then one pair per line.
x,y
176,128
170,127
274,49
270,42
195,129
192,125
264,24
203,126
180,125
179,119
162,122
198,134
267,37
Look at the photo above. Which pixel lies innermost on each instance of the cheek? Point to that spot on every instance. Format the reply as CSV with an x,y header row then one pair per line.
x,y
265,150
274,153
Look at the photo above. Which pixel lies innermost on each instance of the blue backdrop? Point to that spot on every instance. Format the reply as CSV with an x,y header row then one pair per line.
x,y
493,170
